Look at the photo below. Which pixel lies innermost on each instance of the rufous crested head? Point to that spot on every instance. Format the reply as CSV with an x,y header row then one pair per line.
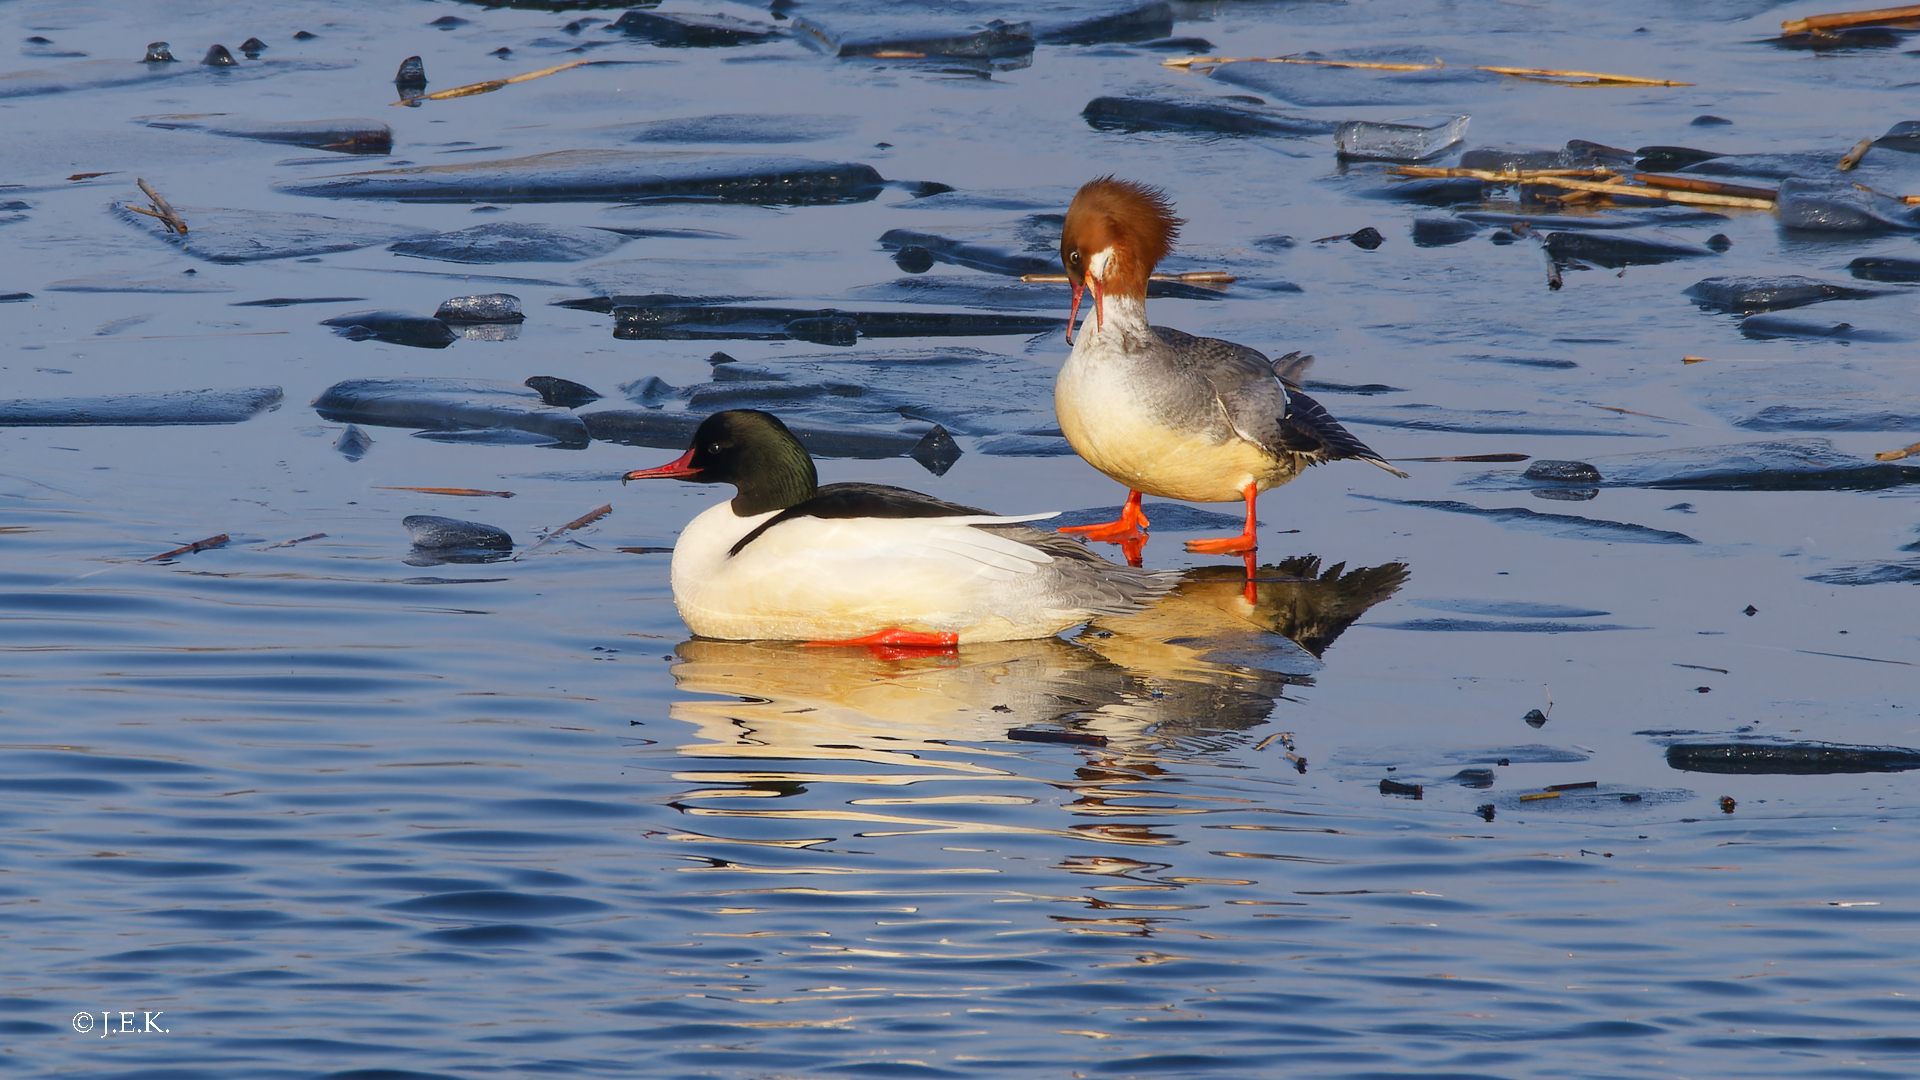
x,y
1116,232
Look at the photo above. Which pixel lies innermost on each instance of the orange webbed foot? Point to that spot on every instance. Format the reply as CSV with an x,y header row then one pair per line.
x,y
905,641
1128,531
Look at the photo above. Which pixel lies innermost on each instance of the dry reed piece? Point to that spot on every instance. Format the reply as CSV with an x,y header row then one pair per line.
x,y
1760,199
188,549
295,540
1191,277
1896,455
1814,23
1854,155
1579,78
582,521
1706,187
474,492
161,209
491,85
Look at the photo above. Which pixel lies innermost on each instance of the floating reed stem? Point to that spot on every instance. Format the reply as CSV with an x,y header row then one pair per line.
x,y
491,85
1850,18
1579,78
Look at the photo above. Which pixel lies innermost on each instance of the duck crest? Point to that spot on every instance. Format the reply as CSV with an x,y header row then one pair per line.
x,y
1125,226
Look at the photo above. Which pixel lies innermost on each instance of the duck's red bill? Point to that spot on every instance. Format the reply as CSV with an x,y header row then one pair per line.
x,y
680,468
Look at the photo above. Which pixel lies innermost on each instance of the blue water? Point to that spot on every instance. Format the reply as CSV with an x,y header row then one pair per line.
x,y
328,813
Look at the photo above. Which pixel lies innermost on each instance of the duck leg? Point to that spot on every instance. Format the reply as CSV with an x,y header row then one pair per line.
x,y
1246,542
1127,530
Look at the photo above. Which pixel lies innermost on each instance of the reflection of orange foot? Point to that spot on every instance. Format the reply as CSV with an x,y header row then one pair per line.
x,y
1132,547
1127,530
896,637
1230,545
1251,593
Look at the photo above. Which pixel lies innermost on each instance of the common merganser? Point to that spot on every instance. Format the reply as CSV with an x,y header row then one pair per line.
x,y
864,564
1161,411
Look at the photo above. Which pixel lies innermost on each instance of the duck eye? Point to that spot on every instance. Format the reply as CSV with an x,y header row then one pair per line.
x,y
713,448
1074,258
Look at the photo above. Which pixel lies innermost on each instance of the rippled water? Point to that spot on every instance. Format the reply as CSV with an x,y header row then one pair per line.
x,y
326,812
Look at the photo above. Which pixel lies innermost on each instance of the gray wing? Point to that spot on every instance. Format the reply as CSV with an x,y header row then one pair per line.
x,y
1262,409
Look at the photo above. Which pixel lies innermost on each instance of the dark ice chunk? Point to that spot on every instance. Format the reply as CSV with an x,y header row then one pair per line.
x,y
353,443
1604,220
159,52
973,256
1783,465
1671,158
1828,206
680,30
439,540
1801,759
737,128
1315,86
239,236
1581,154
218,56
1617,249
1507,159
1564,526
564,393
1197,114
448,22
994,40
680,322
1765,327
610,176
1433,191
170,407
1882,573
1709,120
253,47
1571,472
448,405
1747,295
412,74
1903,136
482,308
1884,268
671,430
1422,417
355,136
506,241
393,327
1031,446
1839,38
936,451
1439,232
1143,22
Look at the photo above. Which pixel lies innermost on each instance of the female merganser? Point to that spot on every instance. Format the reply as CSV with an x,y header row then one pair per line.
x,y
1163,412
864,564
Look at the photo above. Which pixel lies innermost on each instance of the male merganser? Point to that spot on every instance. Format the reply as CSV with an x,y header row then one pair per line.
x,y
865,564
1163,412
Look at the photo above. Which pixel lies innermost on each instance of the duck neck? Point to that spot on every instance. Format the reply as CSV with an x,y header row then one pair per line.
x,y
1119,318
785,477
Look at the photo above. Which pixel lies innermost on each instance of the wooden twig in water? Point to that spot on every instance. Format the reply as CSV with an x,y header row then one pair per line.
x,y
475,492
295,540
1191,277
1580,78
1630,412
1679,195
1706,187
197,545
1468,457
491,85
166,213
1896,455
1850,18
1854,155
582,521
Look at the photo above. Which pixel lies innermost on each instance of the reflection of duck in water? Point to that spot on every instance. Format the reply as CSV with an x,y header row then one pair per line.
x,y
1203,659
789,560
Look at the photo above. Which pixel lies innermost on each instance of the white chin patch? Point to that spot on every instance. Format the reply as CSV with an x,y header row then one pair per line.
x,y
1097,266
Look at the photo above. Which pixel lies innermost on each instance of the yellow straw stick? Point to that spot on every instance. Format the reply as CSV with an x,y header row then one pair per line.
x,y
1589,78
1850,18
491,84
